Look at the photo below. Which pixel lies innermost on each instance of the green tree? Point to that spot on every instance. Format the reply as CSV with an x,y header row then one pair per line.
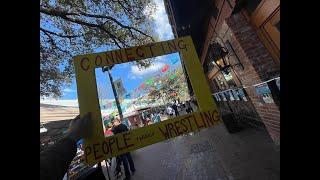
x,y
71,27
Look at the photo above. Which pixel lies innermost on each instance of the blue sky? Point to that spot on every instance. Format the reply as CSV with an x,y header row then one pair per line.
x,y
131,76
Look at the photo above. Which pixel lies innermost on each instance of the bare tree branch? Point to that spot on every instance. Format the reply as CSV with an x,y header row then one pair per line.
x,y
117,22
64,16
79,27
60,35
50,38
126,9
55,12
54,44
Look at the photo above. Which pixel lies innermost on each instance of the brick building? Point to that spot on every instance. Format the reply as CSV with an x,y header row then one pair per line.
x,y
249,32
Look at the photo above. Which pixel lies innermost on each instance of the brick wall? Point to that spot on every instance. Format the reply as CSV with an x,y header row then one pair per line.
x,y
258,67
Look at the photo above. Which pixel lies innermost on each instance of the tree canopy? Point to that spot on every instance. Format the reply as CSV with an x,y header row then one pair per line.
x,y
72,27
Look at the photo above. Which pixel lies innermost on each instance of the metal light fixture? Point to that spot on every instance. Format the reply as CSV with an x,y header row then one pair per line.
x,y
220,57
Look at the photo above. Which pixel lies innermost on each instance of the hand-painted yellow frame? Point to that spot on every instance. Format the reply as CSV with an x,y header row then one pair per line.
x,y
97,147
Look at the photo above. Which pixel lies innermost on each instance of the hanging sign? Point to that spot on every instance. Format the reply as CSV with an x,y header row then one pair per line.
x,y
142,86
165,68
242,95
235,94
128,96
173,76
174,60
216,96
229,95
149,81
224,98
264,93
97,147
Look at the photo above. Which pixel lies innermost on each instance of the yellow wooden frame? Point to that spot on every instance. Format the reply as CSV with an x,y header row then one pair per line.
x,y
97,147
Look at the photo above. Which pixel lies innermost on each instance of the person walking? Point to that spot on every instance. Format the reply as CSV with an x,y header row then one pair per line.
x,y
126,157
175,108
189,108
169,111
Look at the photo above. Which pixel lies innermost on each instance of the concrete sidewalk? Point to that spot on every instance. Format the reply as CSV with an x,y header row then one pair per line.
x,y
194,157
247,155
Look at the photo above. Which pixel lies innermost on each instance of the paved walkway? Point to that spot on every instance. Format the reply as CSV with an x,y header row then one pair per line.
x,y
251,156
246,155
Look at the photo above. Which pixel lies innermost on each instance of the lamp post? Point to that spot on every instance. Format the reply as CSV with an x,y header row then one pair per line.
x,y
220,56
107,68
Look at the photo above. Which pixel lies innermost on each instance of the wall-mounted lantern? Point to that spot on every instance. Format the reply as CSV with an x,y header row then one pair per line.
x,y
220,57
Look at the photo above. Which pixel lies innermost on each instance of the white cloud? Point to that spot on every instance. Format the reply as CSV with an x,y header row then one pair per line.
x,y
133,77
68,90
135,71
161,22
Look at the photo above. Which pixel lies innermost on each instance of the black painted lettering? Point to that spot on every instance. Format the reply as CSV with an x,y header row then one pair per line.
x,y
199,126
128,52
183,121
162,48
111,141
105,147
85,66
117,56
172,46
98,60
215,116
182,45
164,133
95,151
208,118
188,118
170,129
126,139
177,127
203,120
87,152
109,58
117,142
139,52
150,47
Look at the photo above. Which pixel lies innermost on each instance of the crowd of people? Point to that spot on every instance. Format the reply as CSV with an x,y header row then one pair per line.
x,y
177,108
174,109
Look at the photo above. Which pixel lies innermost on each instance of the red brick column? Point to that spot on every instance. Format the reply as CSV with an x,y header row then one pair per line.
x,y
259,67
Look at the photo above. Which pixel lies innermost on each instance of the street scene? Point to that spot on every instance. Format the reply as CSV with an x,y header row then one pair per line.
x,y
160,89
